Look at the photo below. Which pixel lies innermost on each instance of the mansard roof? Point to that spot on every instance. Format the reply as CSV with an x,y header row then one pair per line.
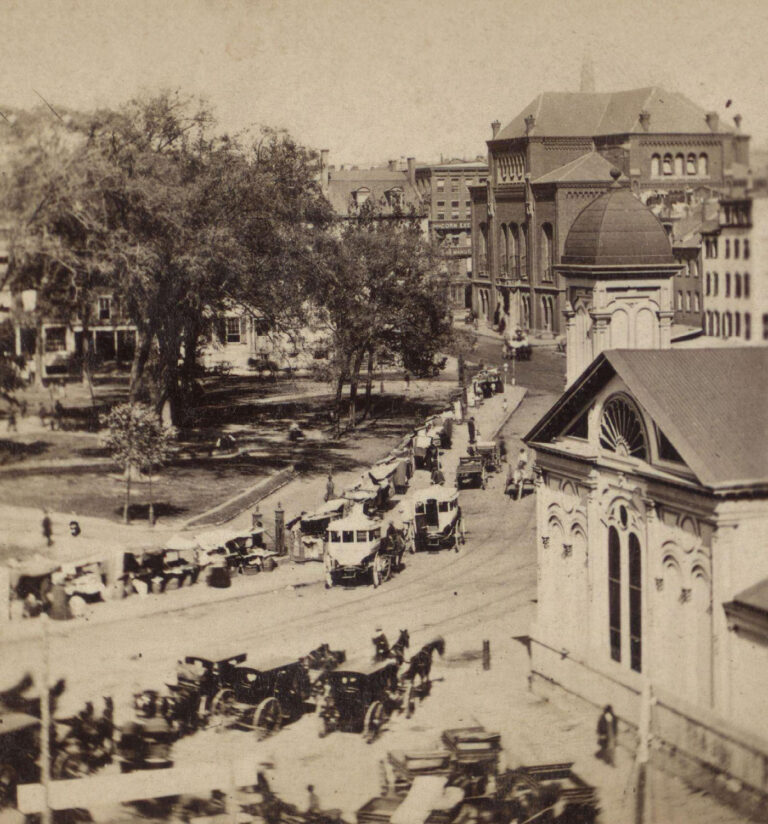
x,y
593,114
709,403
343,182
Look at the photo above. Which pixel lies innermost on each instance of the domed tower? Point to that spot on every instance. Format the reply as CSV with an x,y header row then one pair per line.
x,y
618,268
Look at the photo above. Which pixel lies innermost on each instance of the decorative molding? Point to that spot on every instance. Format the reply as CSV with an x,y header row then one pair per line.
x,y
567,550
685,595
545,541
659,584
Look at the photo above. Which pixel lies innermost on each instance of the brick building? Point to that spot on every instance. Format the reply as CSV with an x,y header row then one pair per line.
x,y
444,188
556,156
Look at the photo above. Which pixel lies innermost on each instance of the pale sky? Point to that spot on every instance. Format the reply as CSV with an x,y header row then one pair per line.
x,y
378,79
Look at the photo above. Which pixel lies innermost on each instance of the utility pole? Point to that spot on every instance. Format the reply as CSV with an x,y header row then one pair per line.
x,y
45,724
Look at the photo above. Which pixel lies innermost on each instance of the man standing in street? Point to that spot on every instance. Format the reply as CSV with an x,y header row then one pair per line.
x,y
329,488
47,526
472,430
607,730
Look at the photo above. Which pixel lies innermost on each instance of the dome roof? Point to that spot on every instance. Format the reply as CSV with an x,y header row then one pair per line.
x,y
616,229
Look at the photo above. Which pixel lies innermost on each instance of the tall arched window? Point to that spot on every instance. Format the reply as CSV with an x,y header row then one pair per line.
x,y
716,316
483,249
524,252
709,284
622,430
512,257
703,165
727,284
546,251
503,249
746,284
635,604
714,283
747,326
709,322
737,285
679,165
655,165
737,324
667,165
614,593
727,325
690,166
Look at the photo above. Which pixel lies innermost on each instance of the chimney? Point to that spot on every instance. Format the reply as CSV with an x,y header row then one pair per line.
x,y
392,165
495,126
645,120
530,124
324,168
412,171
737,121
713,121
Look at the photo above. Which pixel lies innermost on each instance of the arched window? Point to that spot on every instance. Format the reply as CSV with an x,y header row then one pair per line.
x,y
614,593
679,300
635,604
679,165
708,321
746,249
667,164
503,249
512,256
716,316
714,284
703,165
696,302
690,166
621,429
727,325
736,245
546,251
737,324
524,252
695,268
747,326
737,285
746,284
727,284
709,284
655,165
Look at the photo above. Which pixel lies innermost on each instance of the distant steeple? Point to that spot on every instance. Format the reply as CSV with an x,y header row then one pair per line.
x,y
587,74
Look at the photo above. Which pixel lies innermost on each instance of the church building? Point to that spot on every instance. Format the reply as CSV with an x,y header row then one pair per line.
x,y
652,514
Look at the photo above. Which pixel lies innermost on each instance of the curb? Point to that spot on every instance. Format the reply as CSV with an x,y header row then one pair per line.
x,y
510,413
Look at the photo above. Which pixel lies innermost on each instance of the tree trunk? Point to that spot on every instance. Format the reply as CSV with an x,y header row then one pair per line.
x,y
86,356
140,357
353,382
38,351
151,513
126,505
368,385
337,403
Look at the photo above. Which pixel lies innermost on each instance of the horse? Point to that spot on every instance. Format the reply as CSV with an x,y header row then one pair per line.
x,y
396,651
421,663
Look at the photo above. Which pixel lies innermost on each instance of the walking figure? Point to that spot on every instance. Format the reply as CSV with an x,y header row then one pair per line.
x,y
407,381
472,430
47,526
607,730
330,491
313,806
12,420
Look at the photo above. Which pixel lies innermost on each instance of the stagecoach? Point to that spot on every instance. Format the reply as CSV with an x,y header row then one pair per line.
x,y
356,548
309,528
434,521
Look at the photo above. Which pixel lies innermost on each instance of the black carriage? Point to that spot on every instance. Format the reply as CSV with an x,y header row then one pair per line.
x,y
308,530
19,746
158,569
359,698
355,550
145,744
490,454
263,700
517,347
245,554
435,521
471,471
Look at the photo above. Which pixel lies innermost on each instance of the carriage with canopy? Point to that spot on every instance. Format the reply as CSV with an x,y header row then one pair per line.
x,y
356,548
433,520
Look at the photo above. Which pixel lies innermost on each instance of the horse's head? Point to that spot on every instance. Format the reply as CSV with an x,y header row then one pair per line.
x,y
404,639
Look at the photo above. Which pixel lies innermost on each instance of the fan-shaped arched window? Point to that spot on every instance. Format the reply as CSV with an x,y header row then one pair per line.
x,y
656,165
667,165
690,166
679,165
703,165
622,430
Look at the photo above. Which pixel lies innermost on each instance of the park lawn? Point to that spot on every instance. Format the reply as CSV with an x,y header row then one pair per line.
x,y
44,445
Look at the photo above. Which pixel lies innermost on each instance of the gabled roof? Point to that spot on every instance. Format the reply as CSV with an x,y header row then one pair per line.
x,y
710,404
589,114
588,168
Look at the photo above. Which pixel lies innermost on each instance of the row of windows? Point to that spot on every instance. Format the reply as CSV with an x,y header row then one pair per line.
x,y
679,165
740,284
729,325
740,248
690,268
688,301
454,204
456,183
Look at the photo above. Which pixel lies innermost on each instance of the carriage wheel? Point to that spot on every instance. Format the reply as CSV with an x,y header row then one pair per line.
x,y
68,765
268,716
222,702
374,721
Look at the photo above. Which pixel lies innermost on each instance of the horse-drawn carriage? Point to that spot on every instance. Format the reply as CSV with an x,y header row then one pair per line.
x,y
355,548
244,552
517,347
359,698
434,522
426,449
308,530
263,699
471,471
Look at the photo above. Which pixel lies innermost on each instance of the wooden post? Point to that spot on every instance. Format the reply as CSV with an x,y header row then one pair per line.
x,y
256,519
45,723
279,530
486,655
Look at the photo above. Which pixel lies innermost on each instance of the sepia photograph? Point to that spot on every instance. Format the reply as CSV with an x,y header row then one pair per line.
x,y
383,412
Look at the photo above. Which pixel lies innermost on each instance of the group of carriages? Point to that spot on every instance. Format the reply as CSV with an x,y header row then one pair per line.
x,y
463,781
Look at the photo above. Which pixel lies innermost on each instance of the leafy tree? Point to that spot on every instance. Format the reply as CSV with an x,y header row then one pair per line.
x,y
137,441
381,294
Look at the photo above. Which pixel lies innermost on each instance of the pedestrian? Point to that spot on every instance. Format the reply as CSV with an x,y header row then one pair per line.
x,y
313,802
502,449
42,413
438,479
607,730
12,420
330,491
472,430
58,415
522,458
47,526
407,379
